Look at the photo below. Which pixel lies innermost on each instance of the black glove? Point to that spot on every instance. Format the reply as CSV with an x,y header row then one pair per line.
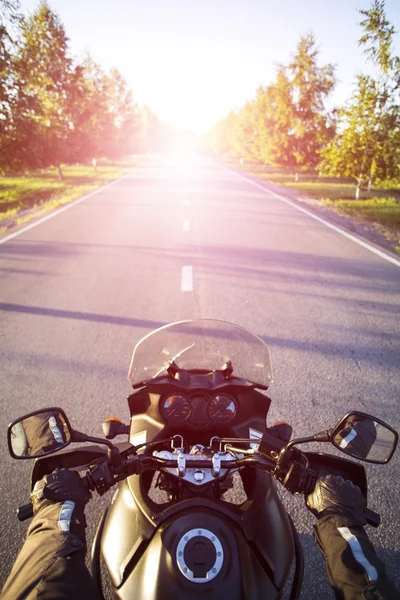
x,y
335,496
59,486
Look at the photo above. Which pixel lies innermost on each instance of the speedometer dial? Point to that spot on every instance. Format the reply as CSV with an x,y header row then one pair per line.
x,y
176,408
221,409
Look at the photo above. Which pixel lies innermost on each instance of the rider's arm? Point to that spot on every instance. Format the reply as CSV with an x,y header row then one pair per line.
x,y
51,563
354,570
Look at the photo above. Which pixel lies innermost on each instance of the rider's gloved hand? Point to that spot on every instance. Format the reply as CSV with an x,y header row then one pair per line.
x,y
335,496
59,486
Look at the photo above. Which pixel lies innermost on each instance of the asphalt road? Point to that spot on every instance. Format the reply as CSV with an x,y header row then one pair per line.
x,y
81,288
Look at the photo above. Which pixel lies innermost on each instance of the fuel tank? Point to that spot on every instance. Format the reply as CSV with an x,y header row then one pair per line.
x,y
198,546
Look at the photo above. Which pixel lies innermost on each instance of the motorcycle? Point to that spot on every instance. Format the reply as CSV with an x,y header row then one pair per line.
x,y
198,427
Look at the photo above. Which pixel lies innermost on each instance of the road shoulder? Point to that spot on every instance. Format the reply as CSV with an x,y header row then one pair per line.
x,y
373,233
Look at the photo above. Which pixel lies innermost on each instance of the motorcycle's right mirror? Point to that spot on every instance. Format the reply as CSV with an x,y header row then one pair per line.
x,y
38,433
365,437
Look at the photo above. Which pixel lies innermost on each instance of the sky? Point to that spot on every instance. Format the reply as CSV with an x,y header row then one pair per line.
x,y
193,61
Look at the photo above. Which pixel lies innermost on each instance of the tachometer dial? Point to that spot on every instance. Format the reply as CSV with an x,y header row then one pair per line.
x,y
221,409
176,408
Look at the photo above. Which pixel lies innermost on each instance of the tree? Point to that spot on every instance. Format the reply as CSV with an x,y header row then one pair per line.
x,y
222,137
91,122
43,74
311,84
123,115
275,121
52,109
155,135
9,18
368,142
287,124
378,38
245,132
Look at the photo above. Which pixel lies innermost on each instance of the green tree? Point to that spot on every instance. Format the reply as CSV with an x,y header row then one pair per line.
x,y
378,41
9,18
53,110
368,142
287,123
123,116
43,74
311,84
91,123
155,135
222,139
104,118
275,114
243,134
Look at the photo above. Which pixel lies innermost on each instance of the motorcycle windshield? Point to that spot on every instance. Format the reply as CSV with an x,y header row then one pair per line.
x,y
203,344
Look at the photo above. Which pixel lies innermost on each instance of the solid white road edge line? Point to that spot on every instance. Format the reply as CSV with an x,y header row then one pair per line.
x,y
61,210
351,237
187,279
186,225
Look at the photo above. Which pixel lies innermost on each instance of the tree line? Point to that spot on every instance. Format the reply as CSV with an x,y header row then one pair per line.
x,y
288,125
56,110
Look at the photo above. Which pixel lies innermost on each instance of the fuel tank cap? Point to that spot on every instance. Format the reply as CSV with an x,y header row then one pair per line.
x,y
199,555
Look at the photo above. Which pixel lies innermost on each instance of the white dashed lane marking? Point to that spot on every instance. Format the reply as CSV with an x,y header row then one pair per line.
x,y
187,279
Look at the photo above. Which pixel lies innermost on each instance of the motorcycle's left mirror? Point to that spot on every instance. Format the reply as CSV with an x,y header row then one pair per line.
x,y
38,433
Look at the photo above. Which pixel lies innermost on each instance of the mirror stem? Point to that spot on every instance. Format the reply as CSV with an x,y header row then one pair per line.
x,y
323,436
77,436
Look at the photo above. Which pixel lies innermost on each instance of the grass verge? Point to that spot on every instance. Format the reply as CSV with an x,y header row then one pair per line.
x,y
24,197
379,208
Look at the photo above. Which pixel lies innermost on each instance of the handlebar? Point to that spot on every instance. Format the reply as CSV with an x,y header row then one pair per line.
x,y
103,476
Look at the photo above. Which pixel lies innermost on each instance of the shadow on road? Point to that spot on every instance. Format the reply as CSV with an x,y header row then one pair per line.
x,y
80,316
326,348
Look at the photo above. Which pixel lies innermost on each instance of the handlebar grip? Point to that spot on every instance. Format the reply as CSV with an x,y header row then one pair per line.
x,y
25,512
373,518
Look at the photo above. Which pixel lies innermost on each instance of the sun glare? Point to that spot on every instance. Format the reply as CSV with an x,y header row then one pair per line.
x,y
181,152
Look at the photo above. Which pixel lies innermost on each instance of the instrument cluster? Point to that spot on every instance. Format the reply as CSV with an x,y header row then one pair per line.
x,y
198,411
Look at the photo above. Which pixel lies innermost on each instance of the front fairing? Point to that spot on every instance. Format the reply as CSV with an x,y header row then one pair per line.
x,y
147,423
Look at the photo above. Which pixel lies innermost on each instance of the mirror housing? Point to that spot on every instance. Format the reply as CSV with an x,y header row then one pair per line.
x,y
365,437
39,433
